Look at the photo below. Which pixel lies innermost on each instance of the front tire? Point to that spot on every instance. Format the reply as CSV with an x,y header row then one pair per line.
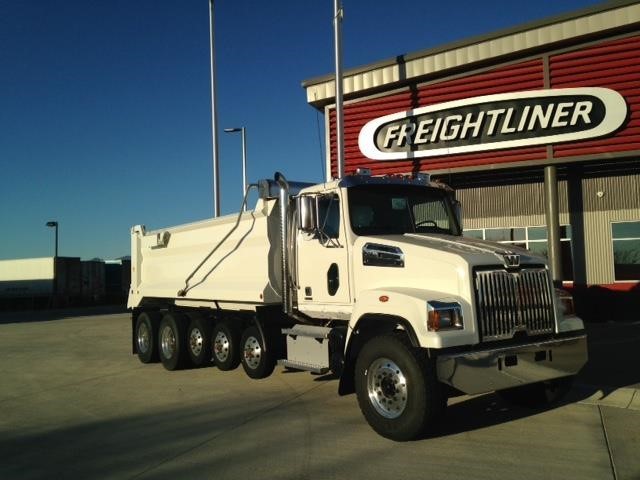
x,y
397,388
172,341
256,361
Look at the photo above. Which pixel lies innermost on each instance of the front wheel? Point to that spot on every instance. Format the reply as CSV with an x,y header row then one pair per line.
x,y
538,395
397,388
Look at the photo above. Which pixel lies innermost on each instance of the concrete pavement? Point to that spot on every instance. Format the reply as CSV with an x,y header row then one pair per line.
x,y
76,404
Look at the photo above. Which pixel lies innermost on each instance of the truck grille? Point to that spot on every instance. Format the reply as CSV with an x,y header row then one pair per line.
x,y
509,302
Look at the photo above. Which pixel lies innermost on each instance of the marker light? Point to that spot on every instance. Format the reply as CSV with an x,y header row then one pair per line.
x,y
565,300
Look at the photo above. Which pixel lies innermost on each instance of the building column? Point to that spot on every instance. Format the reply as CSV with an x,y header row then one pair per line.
x,y
552,216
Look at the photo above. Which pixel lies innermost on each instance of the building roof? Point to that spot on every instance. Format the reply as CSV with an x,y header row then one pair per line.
x,y
398,71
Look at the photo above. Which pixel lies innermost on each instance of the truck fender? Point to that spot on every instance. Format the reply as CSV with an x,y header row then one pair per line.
x,y
369,326
384,310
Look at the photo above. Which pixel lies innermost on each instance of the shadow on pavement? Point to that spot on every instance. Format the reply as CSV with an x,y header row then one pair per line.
x,y
59,314
614,356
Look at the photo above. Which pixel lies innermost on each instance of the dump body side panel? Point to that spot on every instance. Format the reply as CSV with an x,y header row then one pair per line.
x,y
243,268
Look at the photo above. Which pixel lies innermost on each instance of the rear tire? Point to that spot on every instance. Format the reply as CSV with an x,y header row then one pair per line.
x,y
172,341
397,388
199,340
256,361
538,395
225,340
146,335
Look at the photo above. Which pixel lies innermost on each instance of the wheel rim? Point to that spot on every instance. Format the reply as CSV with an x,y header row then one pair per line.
x,y
168,342
252,352
387,388
221,346
144,338
195,341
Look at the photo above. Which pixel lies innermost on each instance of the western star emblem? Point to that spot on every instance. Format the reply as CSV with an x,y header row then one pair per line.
x,y
510,259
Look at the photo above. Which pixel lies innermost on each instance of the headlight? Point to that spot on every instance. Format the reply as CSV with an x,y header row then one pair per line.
x,y
444,316
565,300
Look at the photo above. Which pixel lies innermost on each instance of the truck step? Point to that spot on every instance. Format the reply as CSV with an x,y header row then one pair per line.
x,y
304,366
307,348
307,331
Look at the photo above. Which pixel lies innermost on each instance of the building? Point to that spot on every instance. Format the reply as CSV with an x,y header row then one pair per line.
x,y
537,128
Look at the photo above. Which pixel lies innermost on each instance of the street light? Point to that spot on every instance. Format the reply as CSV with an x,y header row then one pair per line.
x,y
54,225
243,131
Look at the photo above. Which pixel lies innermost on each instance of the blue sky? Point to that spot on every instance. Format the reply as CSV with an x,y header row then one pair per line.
x,y
105,105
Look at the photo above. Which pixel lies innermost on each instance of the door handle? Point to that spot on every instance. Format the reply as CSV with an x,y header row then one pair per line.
x,y
333,279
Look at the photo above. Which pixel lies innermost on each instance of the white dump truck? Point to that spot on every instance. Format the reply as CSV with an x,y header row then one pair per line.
x,y
365,278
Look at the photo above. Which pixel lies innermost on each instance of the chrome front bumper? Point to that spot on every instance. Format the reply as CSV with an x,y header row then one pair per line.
x,y
489,370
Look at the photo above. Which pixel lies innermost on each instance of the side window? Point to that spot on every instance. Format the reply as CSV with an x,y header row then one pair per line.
x,y
329,215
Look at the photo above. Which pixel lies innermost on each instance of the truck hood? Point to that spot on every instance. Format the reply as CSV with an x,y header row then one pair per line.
x,y
438,262
477,252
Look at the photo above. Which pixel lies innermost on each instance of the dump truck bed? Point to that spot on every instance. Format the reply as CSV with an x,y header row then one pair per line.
x,y
230,261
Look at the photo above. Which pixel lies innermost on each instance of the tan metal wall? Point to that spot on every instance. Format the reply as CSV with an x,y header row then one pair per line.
x,y
619,201
517,205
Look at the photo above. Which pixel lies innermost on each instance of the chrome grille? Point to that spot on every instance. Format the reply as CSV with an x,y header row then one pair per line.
x,y
508,302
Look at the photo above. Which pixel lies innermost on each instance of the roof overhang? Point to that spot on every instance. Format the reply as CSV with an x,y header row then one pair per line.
x,y
404,69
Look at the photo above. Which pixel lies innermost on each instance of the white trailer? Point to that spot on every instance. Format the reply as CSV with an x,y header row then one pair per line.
x,y
58,278
367,278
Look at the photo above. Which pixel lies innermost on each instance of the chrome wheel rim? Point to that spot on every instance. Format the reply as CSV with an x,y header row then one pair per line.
x,y
221,346
144,338
387,388
252,352
168,342
195,341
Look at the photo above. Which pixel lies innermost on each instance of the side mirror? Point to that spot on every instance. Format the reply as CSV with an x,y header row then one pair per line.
x,y
457,210
307,220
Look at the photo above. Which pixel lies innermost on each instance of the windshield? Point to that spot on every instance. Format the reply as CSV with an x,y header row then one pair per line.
x,y
398,209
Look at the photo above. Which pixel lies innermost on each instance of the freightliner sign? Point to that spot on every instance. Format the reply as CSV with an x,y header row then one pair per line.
x,y
492,122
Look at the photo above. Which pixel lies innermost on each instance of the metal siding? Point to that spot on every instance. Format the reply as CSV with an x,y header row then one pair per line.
x,y
615,65
612,64
503,206
513,78
620,202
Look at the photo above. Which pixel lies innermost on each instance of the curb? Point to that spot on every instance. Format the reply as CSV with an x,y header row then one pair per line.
x,y
625,397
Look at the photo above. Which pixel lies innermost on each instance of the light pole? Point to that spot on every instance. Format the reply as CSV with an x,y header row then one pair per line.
x,y
54,225
243,131
214,114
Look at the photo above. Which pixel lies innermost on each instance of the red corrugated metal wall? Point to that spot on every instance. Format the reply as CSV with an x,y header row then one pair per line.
x,y
613,64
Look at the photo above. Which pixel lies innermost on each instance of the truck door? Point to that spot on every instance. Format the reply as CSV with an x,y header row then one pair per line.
x,y
322,259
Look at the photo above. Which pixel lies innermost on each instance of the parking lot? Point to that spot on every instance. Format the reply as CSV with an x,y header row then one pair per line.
x,y
77,404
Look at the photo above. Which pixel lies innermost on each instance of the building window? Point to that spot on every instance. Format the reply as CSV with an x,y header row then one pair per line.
x,y
626,250
531,238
